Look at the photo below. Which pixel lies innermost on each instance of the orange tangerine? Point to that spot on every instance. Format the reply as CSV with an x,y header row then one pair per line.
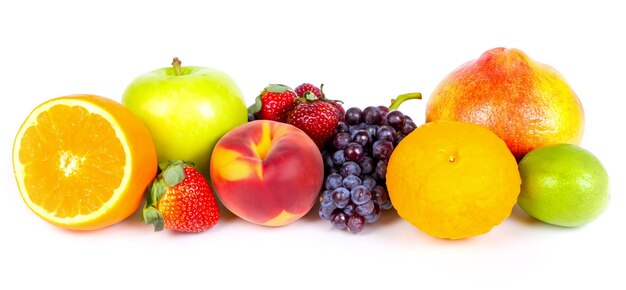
x,y
452,179
83,161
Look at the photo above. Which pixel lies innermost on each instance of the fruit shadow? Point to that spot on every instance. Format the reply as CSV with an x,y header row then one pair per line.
x,y
135,221
226,216
387,218
519,216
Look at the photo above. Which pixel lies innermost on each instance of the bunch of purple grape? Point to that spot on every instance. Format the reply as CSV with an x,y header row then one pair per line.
x,y
355,163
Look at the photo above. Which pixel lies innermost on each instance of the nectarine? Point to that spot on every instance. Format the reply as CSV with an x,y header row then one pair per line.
x,y
266,172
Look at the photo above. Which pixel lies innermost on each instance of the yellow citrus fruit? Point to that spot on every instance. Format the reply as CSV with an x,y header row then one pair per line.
x,y
453,179
83,161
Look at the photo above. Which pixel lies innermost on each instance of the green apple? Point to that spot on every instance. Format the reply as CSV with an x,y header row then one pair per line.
x,y
187,110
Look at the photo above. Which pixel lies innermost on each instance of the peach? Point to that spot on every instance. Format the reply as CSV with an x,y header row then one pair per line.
x,y
266,172
526,103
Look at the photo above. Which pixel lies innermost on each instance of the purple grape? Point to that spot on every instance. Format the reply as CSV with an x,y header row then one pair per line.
x,y
362,137
326,198
342,127
339,220
365,209
356,166
354,116
386,205
374,215
356,223
381,170
341,140
398,139
367,165
382,149
371,115
386,132
354,151
328,160
380,194
350,167
338,158
351,181
408,127
357,127
372,129
333,181
340,197
360,194
349,209
326,211
383,112
368,182
395,119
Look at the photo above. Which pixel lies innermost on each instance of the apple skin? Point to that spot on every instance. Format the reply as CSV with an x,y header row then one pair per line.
x,y
266,172
186,114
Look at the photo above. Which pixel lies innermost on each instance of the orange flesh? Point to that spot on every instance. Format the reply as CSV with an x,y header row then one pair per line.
x,y
71,168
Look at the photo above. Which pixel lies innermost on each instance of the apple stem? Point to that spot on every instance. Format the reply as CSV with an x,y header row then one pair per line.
x,y
176,63
395,103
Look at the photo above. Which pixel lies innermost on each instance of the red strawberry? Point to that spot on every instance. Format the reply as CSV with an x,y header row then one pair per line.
x,y
274,103
341,112
303,89
317,118
306,87
180,199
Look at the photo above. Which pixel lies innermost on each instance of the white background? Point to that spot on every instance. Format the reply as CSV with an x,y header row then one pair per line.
x,y
365,53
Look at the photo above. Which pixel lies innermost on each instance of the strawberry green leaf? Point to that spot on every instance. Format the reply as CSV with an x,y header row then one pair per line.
x,y
151,215
273,88
256,107
157,190
164,165
277,88
148,194
173,174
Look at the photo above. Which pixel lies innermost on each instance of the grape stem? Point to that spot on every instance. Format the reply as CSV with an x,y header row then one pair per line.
x,y
176,64
395,103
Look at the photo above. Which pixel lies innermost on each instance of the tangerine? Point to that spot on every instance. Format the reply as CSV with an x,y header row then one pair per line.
x,y
453,179
83,161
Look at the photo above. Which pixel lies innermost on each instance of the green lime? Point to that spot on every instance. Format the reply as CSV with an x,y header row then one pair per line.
x,y
563,185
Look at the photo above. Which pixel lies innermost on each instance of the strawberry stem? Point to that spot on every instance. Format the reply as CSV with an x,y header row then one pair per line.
x,y
271,88
150,214
171,174
395,103
176,63
277,88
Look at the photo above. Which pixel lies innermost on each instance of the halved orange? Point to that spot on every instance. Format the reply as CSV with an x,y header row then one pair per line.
x,y
83,161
